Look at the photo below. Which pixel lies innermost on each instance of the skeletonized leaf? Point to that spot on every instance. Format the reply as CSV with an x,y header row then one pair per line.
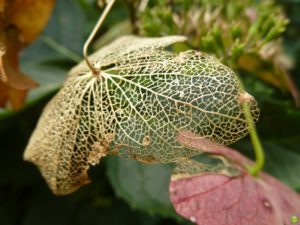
x,y
143,97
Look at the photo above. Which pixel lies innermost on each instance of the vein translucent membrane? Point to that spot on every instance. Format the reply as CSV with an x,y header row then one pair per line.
x,y
143,97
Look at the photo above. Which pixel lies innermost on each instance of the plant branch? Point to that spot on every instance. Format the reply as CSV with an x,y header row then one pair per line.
x,y
133,9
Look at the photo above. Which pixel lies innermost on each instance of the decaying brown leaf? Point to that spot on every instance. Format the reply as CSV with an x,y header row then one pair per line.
x,y
21,21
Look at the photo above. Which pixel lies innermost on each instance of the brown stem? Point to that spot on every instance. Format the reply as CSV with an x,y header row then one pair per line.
x,y
95,71
133,10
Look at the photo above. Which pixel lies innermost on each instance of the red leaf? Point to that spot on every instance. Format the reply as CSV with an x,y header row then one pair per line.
x,y
213,198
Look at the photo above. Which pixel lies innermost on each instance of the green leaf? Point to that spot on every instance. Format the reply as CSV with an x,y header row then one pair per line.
x,y
283,162
143,186
68,25
50,77
279,119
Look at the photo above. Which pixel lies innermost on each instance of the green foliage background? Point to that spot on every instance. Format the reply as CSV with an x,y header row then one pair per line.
x,y
122,192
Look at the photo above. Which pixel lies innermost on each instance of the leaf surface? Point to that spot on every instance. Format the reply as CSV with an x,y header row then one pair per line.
x,y
209,197
143,97
143,186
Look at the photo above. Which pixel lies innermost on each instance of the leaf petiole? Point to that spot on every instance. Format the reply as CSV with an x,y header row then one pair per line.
x,y
255,140
93,34
256,143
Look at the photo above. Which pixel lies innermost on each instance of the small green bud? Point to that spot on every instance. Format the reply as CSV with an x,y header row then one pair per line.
x,y
216,33
273,33
267,26
237,51
207,43
236,31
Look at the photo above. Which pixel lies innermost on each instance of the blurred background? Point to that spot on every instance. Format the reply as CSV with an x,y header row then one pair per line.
x,y
128,192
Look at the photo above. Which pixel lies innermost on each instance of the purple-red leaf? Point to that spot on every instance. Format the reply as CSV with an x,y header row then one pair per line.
x,y
214,197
